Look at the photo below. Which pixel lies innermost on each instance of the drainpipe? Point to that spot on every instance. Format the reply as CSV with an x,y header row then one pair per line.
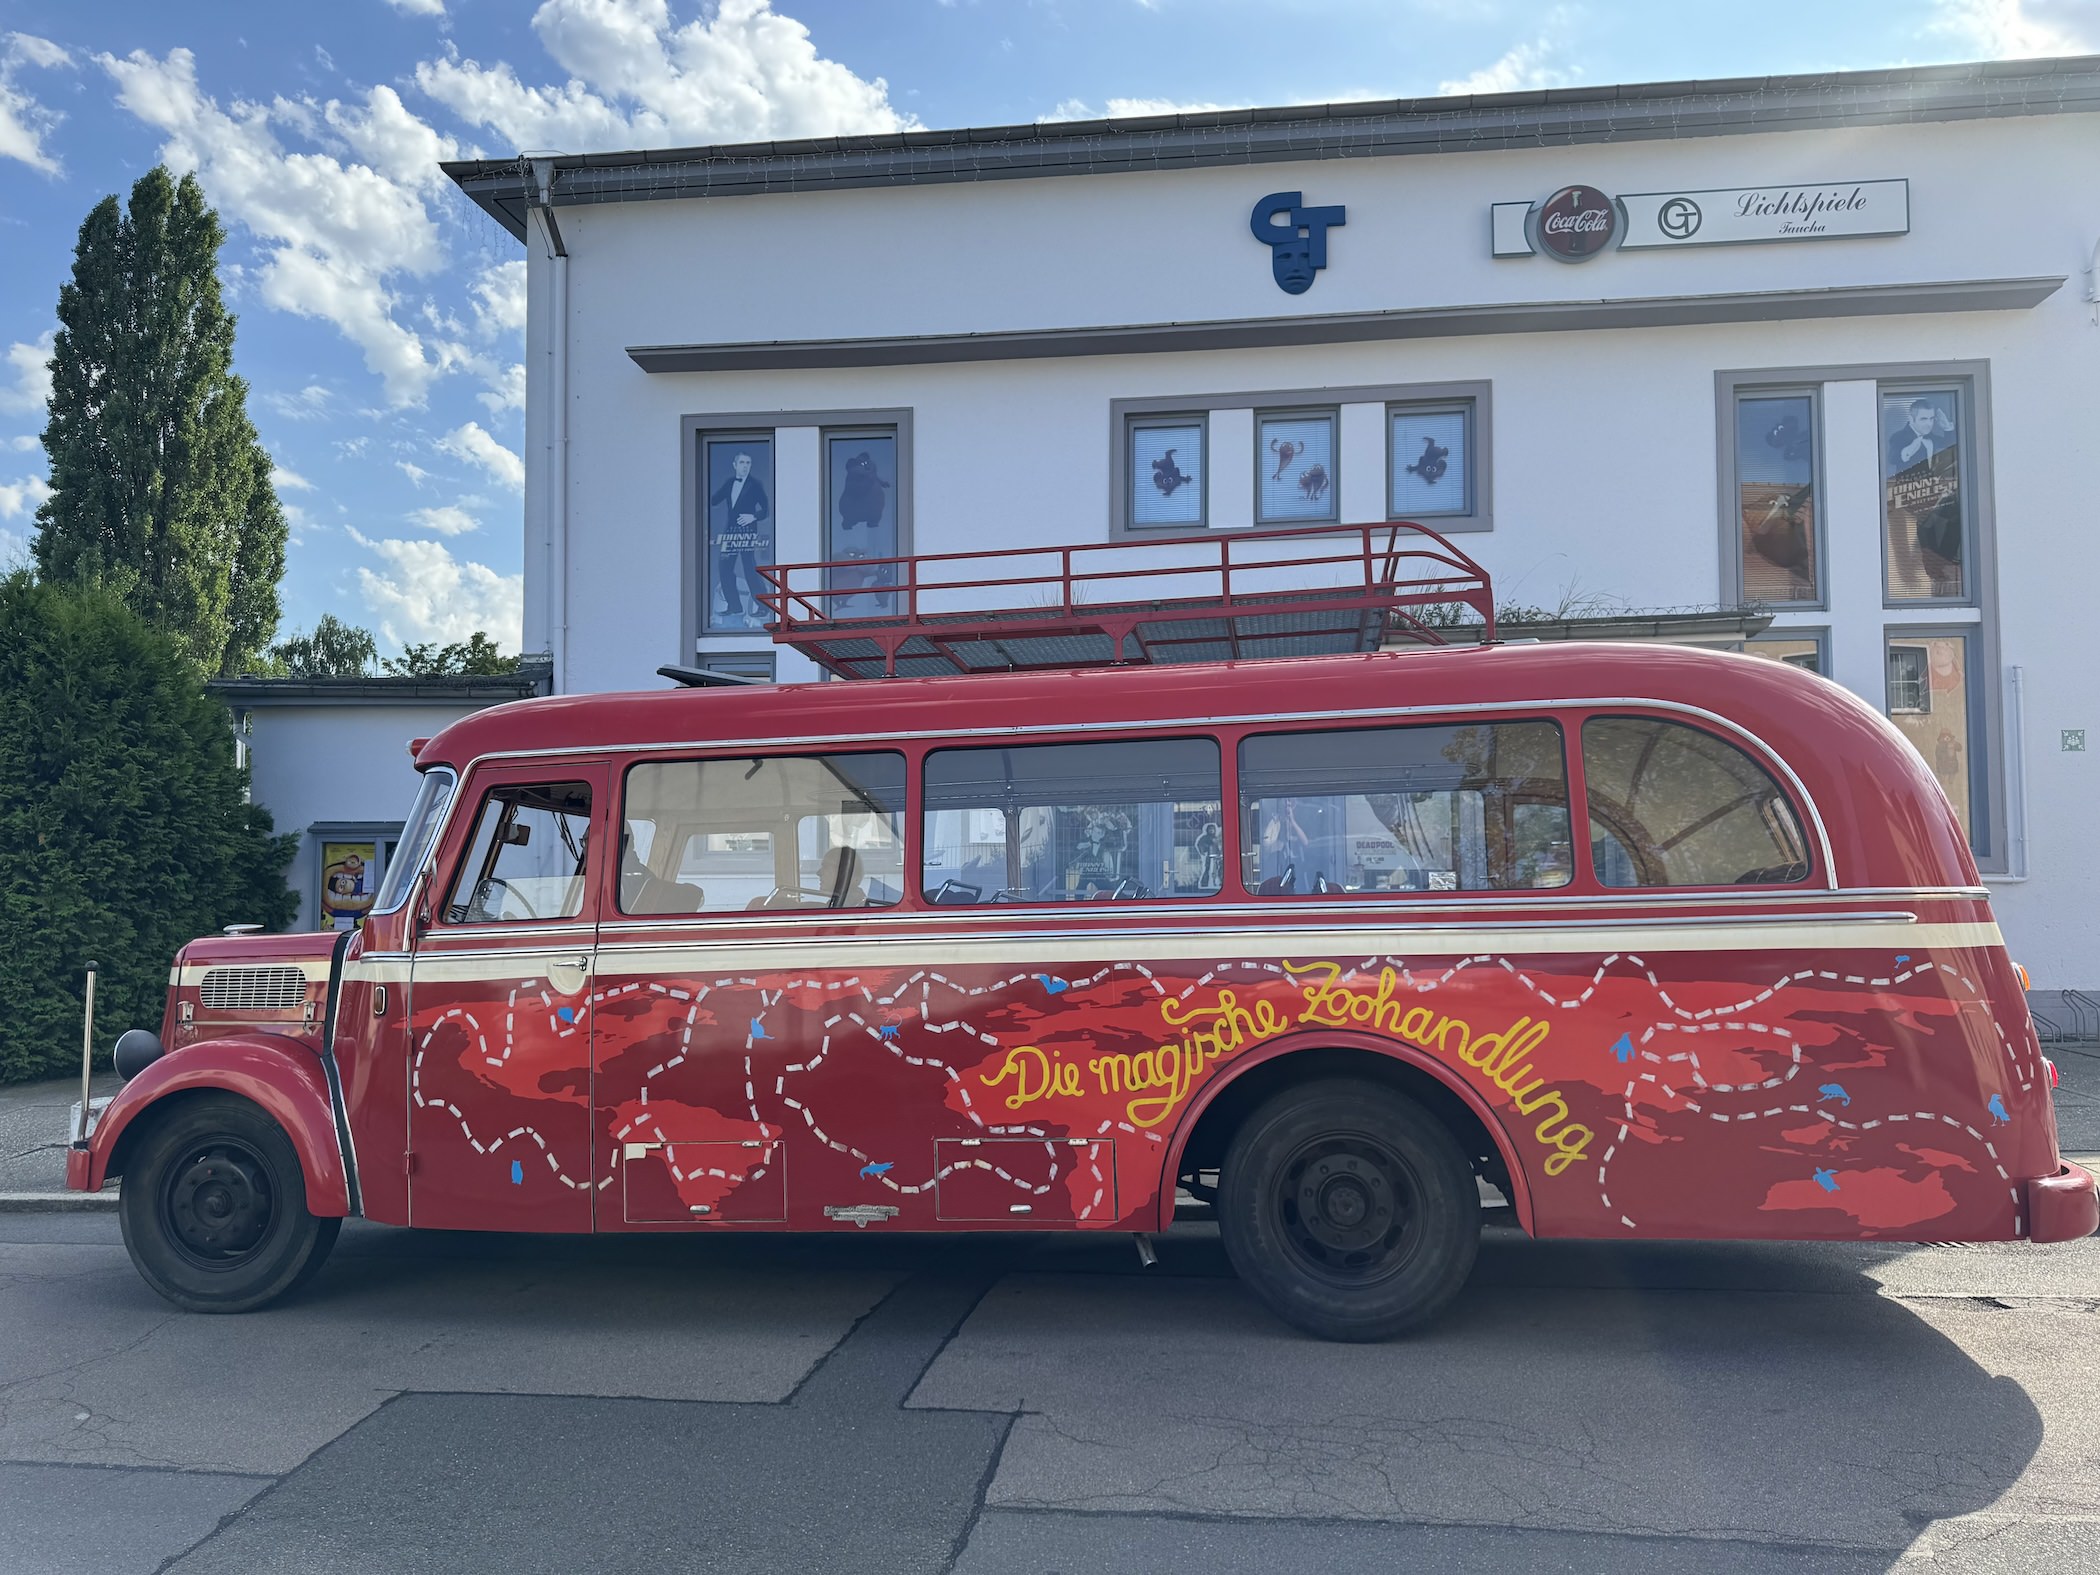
x,y
542,198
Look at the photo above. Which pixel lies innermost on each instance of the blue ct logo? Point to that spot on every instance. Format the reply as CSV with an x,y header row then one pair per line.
x,y
1298,244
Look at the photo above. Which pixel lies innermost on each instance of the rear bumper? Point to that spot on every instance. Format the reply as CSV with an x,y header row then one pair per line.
x,y
2063,1207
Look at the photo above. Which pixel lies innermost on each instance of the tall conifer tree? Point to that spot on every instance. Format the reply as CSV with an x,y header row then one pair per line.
x,y
160,490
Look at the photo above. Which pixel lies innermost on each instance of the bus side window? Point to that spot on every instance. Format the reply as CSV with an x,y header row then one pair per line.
x,y
526,859
1670,805
751,832
1114,821
1472,807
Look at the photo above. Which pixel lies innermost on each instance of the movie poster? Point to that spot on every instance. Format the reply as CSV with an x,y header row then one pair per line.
x,y
861,480
349,878
739,479
1929,701
1924,495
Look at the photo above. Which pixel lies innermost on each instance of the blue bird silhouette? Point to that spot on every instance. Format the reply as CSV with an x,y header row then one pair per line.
x,y
1623,1050
1054,986
758,1028
1997,1109
1835,1093
1902,958
1827,1180
888,1030
517,1173
566,1013
882,1169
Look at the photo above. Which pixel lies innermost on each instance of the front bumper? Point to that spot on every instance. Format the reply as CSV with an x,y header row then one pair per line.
x,y
2063,1207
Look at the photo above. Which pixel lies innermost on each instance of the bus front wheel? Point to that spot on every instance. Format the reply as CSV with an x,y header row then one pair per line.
x,y
1349,1209
213,1208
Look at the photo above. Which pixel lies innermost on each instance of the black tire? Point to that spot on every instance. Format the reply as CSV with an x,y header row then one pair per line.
x,y
213,1208
1349,1209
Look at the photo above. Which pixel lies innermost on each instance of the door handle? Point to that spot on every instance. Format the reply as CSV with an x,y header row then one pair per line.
x,y
567,974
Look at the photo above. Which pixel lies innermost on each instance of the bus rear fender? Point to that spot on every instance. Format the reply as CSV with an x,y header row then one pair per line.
x,y
281,1076
1206,1127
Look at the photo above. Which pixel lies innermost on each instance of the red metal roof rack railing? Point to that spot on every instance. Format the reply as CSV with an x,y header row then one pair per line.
x,y
1218,597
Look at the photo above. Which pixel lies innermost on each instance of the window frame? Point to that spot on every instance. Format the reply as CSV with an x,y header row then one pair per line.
x,y
1816,635
900,505
456,842
1223,740
1808,823
1975,489
1125,469
1734,389
1468,407
613,911
1237,873
1332,415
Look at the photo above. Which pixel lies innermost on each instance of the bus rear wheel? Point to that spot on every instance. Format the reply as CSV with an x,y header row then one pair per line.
x,y
1349,1209
213,1208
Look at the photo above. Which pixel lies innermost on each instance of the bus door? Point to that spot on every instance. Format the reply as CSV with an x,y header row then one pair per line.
x,y
501,1006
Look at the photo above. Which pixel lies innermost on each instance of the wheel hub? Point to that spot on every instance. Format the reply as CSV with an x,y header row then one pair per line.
x,y
220,1204
1345,1203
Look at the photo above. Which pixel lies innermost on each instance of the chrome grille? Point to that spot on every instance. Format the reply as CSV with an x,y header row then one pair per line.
x,y
252,989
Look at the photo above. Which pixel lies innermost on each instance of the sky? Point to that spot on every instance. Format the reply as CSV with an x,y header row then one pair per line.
x,y
382,315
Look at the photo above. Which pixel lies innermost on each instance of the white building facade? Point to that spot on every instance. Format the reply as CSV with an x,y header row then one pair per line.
x,y
1819,346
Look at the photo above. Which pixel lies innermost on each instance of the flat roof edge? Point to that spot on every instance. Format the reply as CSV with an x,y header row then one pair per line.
x,y
1371,128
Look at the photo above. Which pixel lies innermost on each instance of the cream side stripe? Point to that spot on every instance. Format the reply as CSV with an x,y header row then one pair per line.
x,y
1197,946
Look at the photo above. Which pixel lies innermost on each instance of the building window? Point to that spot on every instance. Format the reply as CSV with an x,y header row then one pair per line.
x,y
1106,822
1927,503
761,666
736,470
1909,694
1429,459
1477,807
763,832
1934,705
862,504
1796,648
352,862
1670,805
1294,464
1775,489
1166,479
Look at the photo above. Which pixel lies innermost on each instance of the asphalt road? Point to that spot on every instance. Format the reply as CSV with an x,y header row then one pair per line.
x,y
465,1403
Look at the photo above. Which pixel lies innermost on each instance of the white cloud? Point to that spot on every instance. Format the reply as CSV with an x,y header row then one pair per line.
x,y
1127,108
308,404
29,366
506,390
499,299
418,7
741,72
24,122
415,473
1525,67
447,519
421,592
22,497
22,443
471,442
335,233
289,480
2019,29
14,549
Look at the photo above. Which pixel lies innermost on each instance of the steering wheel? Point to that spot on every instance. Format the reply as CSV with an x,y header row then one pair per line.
x,y
1126,887
509,896
948,887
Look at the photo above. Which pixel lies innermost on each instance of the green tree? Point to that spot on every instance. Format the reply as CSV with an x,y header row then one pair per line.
x,y
334,650
125,829
474,657
159,488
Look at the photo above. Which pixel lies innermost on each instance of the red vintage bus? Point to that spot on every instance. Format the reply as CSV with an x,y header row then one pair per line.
x,y
1653,941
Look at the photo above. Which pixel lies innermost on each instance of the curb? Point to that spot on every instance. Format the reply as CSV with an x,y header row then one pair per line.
x,y
102,1202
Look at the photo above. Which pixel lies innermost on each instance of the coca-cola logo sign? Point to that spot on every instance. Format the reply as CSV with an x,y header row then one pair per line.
x,y
1575,224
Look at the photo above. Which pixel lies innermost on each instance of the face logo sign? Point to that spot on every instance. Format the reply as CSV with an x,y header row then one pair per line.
x,y
1575,224
1296,237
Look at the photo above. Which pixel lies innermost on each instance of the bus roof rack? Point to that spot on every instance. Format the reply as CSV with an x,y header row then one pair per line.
x,y
1225,596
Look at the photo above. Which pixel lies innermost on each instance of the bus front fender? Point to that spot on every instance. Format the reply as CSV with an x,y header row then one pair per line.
x,y
1314,1041
282,1077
